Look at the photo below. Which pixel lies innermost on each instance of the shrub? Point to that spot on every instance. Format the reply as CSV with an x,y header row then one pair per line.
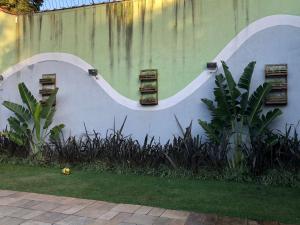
x,y
236,114
31,124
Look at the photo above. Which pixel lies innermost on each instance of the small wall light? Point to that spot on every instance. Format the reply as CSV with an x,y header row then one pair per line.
x,y
212,67
93,72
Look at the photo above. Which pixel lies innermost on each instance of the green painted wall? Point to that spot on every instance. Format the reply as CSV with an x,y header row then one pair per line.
x,y
177,37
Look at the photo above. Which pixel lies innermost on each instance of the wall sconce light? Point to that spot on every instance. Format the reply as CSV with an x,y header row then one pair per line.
x,y
93,72
212,67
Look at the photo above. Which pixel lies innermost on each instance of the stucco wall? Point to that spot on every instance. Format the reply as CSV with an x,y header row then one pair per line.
x,y
81,100
177,37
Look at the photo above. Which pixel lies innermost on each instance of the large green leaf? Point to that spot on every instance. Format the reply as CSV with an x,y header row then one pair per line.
x,y
256,101
209,104
56,131
17,126
19,110
16,138
27,97
210,131
37,121
246,77
234,92
47,108
49,118
244,83
268,119
222,98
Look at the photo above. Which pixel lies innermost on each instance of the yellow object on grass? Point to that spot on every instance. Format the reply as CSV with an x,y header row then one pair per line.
x,y
66,171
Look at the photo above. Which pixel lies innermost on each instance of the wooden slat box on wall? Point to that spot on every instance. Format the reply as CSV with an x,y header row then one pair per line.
x,y
149,87
277,75
48,82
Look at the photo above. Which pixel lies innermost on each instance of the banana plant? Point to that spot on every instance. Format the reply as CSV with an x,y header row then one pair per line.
x,y
236,113
31,122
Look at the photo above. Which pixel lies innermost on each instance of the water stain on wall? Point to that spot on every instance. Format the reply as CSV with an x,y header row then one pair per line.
x,y
235,5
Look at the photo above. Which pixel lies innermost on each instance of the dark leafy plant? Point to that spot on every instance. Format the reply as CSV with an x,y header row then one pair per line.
x,y
237,114
283,153
31,123
21,6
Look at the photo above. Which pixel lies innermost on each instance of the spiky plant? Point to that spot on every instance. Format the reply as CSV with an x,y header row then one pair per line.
x,y
31,123
236,113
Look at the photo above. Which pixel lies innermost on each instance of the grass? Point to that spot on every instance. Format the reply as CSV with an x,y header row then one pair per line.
x,y
230,199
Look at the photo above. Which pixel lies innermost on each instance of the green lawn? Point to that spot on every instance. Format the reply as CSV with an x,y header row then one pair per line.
x,y
231,199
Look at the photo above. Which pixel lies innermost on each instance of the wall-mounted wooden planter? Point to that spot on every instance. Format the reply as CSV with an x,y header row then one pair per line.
x,y
48,82
149,87
46,92
277,74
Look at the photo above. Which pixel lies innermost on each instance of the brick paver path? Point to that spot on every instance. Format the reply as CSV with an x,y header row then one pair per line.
x,y
37,209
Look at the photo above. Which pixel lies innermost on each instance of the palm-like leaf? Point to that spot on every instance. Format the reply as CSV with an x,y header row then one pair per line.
x,y
56,131
16,138
27,97
209,104
37,121
210,131
256,100
244,83
17,126
49,118
267,119
246,77
33,116
19,110
234,92
47,109
222,98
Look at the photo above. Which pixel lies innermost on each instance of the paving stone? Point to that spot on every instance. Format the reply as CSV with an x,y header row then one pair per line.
x,y
46,206
45,198
26,213
31,222
121,217
19,195
126,208
50,217
173,214
203,219
143,210
127,224
231,221
91,212
141,219
7,200
109,215
5,193
68,209
156,212
162,221
75,201
10,221
176,222
25,203
75,220
100,222
7,210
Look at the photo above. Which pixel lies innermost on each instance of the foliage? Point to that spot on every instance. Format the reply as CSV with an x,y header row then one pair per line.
x,y
11,149
31,123
236,114
21,6
283,153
